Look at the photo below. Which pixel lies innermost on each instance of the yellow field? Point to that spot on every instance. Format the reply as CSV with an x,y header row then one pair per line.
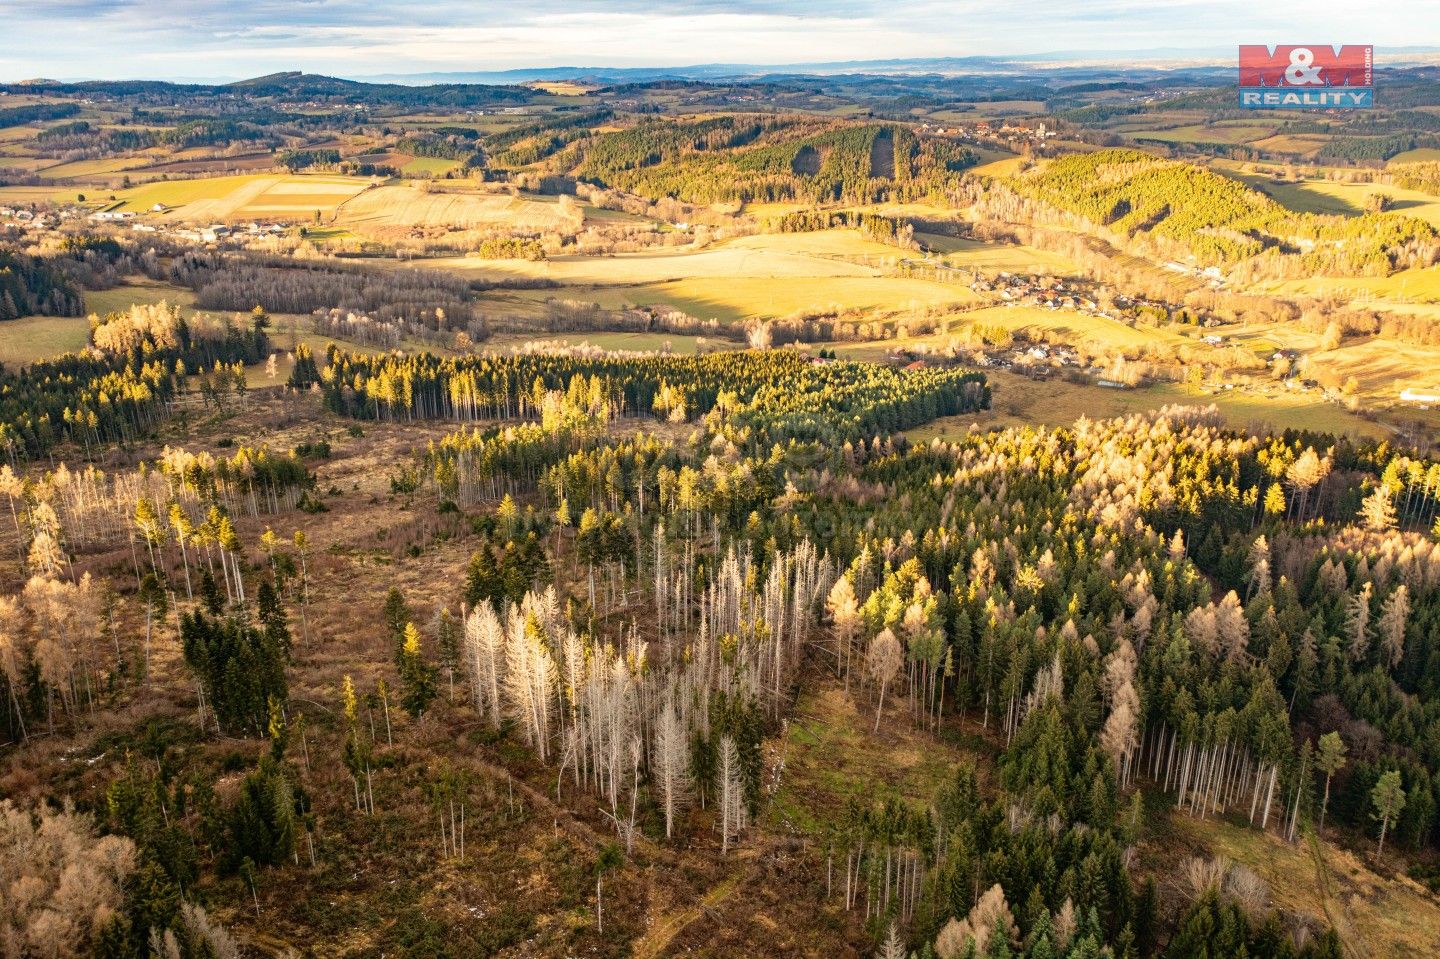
x,y
33,338
765,211
245,197
764,276
1304,146
561,88
82,168
679,344
435,165
36,194
1071,326
1006,166
997,257
1420,155
28,164
121,298
1217,133
1383,368
833,253
733,299
840,244
390,207
1019,401
1348,199
1407,286
9,134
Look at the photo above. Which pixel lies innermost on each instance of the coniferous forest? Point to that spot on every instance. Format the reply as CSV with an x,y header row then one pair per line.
x,y
608,596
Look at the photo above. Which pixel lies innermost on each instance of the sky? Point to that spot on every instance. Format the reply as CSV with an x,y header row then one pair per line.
x,y
211,39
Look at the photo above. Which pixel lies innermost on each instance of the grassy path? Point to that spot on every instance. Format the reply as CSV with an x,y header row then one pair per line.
x,y
664,929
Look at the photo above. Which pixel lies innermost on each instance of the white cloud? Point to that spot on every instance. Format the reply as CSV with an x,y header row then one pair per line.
x,y
142,38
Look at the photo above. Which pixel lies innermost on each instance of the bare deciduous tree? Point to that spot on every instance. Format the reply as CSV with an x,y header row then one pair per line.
x,y
883,663
63,883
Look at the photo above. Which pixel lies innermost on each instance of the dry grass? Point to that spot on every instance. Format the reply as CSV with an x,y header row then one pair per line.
x,y
1071,326
763,257
526,886
999,257
830,756
1214,133
1348,199
388,209
646,342
1377,916
1003,167
1366,292
1020,401
758,276
735,299
246,197
1419,155
87,168
34,338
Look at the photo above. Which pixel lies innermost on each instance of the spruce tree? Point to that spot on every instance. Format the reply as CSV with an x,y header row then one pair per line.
x,y
417,677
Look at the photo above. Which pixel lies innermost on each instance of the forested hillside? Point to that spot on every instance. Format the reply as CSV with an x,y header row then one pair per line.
x,y
768,159
1218,221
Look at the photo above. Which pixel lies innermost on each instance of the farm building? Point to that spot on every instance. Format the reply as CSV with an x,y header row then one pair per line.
x,y
1426,397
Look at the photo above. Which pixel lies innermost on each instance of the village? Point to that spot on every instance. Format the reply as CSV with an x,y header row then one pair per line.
x,y
36,220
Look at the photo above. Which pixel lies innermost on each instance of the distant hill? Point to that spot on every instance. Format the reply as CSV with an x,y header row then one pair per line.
x,y
295,85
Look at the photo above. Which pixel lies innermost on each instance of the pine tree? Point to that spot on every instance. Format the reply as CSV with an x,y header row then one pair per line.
x,y
1357,623
356,753
447,639
894,945
845,620
670,765
397,616
1394,618
731,792
417,677
1378,510
1388,798
610,858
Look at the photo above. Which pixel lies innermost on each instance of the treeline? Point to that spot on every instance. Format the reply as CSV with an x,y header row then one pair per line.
x,y
428,299
452,147
283,89
1374,149
1424,177
1129,192
35,113
883,229
773,396
293,160
553,123
118,392
31,285
511,248
203,131
1268,704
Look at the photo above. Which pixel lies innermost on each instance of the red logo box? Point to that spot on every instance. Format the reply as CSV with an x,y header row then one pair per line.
x,y
1307,65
